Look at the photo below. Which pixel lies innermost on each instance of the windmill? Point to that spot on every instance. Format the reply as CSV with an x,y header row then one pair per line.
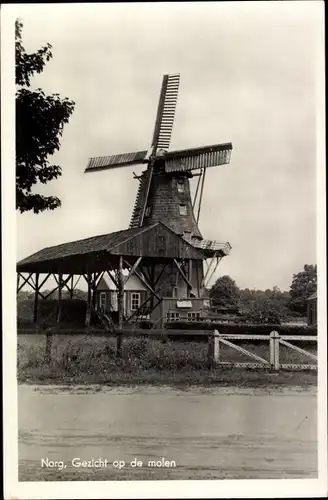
x,y
164,189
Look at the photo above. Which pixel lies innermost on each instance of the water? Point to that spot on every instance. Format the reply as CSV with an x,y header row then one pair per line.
x,y
203,433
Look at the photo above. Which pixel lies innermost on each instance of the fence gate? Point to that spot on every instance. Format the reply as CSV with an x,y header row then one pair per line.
x,y
275,341
259,361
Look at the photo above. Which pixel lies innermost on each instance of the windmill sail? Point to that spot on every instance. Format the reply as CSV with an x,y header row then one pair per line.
x,y
165,112
161,140
114,161
196,158
141,199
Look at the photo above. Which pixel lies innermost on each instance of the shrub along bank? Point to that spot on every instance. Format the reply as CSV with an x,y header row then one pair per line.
x,y
87,359
243,328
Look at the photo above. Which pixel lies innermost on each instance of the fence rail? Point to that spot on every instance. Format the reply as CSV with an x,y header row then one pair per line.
x,y
214,341
275,341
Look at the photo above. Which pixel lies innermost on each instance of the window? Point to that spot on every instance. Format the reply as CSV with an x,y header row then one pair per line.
x,y
183,209
180,184
193,316
135,301
102,301
172,316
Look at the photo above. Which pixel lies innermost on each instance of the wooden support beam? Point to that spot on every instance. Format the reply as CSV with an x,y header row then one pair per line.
x,y
31,283
207,271
207,279
89,304
120,305
201,194
179,267
113,279
71,290
52,291
159,275
197,188
189,275
133,269
36,299
64,283
199,288
85,276
99,277
218,260
60,287
145,272
17,283
141,278
44,281
25,280
135,313
76,283
94,288
115,271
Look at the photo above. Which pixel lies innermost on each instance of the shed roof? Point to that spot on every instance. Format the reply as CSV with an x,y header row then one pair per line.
x,y
92,254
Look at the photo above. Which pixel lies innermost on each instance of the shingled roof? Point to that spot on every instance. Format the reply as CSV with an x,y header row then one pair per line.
x,y
93,253
87,245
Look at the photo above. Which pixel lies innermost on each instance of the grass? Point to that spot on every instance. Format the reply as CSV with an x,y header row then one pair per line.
x,y
85,359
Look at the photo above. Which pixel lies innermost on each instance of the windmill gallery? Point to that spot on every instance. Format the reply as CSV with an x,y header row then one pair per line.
x,y
155,268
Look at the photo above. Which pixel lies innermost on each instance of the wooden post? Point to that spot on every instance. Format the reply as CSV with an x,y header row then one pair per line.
x,y
71,292
49,340
120,305
94,291
36,298
274,350
60,286
88,310
17,284
161,320
189,276
213,349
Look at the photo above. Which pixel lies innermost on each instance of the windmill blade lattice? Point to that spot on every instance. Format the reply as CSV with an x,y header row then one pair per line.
x,y
166,112
114,161
198,158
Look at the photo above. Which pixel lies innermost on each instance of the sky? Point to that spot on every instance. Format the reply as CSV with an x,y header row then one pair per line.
x,y
248,76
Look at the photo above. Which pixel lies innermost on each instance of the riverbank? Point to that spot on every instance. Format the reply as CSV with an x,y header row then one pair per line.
x,y
90,360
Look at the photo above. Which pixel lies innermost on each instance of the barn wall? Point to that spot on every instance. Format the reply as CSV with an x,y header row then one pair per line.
x,y
157,242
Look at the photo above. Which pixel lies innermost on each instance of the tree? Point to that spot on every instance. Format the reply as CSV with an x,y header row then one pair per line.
x,y
303,285
224,292
39,125
266,310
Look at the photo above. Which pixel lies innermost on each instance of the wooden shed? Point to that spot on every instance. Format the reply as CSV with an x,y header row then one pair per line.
x,y
135,293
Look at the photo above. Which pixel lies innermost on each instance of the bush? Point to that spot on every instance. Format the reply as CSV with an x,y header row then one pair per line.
x,y
246,328
73,313
266,310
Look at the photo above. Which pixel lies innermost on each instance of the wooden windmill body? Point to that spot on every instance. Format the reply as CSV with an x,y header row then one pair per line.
x,y
164,193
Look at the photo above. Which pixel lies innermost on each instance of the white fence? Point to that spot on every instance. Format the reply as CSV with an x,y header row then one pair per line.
x,y
214,340
275,341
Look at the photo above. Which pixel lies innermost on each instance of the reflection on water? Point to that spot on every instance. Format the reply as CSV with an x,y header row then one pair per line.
x,y
209,433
